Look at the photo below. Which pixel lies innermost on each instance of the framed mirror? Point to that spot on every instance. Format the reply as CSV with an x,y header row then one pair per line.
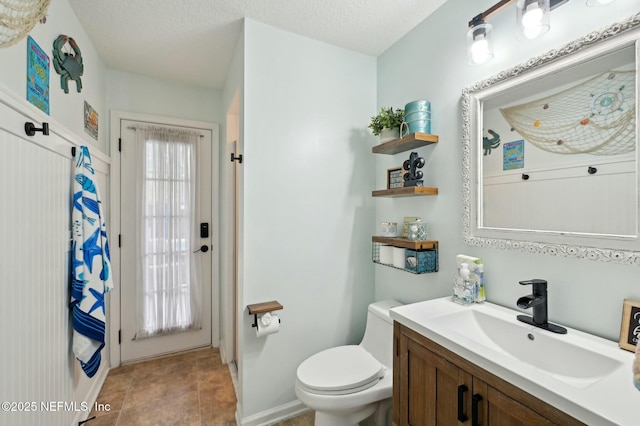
x,y
550,151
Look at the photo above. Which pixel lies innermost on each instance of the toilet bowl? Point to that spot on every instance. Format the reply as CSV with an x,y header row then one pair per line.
x,y
347,384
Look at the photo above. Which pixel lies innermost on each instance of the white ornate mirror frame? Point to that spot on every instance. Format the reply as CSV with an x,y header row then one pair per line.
x,y
602,247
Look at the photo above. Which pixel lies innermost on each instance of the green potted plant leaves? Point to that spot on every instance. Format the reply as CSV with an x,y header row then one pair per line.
x,y
387,123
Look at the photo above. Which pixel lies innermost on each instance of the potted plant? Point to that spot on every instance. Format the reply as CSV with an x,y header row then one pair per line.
x,y
387,123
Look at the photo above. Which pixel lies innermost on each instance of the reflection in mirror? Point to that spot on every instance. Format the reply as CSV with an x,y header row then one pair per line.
x,y
560,125
549,155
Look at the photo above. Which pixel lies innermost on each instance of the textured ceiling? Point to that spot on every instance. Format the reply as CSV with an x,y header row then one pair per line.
x,y
192,41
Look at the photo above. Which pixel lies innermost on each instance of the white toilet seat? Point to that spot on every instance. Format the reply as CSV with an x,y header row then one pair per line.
x,y
339,371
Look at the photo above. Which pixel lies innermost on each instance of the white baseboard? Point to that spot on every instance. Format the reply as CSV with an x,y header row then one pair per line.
x,y
223,353
267,417
274,415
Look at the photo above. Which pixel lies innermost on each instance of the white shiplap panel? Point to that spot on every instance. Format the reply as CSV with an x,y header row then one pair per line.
x,y
37,363
34,276
600,204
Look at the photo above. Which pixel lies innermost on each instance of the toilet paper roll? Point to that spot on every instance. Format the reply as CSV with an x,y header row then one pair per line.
x,y
398,257
267,324
386,254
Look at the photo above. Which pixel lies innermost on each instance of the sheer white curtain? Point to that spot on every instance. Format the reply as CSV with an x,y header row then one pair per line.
x,y
168,290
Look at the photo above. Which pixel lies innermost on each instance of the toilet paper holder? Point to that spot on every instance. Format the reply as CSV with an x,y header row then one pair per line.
x,y
262,308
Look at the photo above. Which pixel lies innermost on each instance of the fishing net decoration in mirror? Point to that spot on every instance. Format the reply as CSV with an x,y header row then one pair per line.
x,y
18,17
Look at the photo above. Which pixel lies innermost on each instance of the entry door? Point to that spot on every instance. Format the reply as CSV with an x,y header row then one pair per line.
x,y
135,344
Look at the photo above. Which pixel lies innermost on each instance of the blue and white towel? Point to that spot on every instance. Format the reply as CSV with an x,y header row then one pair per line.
x,y
91,266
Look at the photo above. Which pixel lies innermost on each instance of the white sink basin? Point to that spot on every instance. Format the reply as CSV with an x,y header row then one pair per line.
x,y
562,357
583,375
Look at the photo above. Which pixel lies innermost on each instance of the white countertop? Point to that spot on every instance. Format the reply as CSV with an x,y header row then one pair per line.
x,y
610,400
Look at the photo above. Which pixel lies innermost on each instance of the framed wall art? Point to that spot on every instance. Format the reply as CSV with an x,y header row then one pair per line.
x,y
90,121
394,178
630,328
37,76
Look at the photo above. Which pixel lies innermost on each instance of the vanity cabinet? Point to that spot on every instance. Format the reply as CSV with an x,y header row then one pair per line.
x,y
434,386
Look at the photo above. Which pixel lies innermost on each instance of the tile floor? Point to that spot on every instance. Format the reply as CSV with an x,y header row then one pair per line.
x,y
190,388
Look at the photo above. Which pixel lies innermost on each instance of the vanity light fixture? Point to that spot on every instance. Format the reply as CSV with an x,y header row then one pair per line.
x,y
533,21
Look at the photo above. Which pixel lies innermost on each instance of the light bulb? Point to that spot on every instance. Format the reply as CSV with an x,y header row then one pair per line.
x,y
480,51
599,2
532,18
479,45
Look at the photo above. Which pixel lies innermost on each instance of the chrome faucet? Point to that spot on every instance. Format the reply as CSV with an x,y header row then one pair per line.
x,y
538,301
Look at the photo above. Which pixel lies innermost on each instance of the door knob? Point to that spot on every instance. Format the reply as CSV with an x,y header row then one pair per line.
x,y
204,248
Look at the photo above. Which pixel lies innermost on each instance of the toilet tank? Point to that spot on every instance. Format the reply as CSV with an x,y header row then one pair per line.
x,y
378,334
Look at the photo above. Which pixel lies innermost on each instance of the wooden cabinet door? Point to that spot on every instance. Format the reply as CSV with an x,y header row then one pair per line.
x,y
430,388
495,408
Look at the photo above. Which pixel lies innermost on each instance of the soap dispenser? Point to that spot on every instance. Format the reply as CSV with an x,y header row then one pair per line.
x,y
480,291
464,291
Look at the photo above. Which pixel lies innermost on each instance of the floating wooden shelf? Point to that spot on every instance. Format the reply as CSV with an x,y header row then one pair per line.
x,y
425,258
405,191
406,243
411,141
264,307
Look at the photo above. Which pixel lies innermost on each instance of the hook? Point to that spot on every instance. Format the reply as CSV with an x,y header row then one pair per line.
x,y
30,129
525,176
592,170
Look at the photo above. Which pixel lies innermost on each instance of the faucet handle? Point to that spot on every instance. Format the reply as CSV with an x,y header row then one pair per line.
x,y
539,287
535,282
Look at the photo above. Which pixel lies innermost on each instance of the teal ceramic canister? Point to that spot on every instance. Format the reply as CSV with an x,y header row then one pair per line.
x,y
418,116
417,106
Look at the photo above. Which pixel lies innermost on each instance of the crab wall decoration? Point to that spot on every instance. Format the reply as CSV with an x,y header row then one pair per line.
x,y
489,143
67,64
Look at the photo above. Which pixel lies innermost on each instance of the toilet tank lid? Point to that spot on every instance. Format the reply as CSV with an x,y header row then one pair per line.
x,y
381,308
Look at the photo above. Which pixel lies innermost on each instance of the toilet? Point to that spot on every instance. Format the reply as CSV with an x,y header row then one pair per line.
x,y
347,384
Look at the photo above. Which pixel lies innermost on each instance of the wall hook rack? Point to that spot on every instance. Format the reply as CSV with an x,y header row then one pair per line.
x,y
234,158
30,129
263,308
